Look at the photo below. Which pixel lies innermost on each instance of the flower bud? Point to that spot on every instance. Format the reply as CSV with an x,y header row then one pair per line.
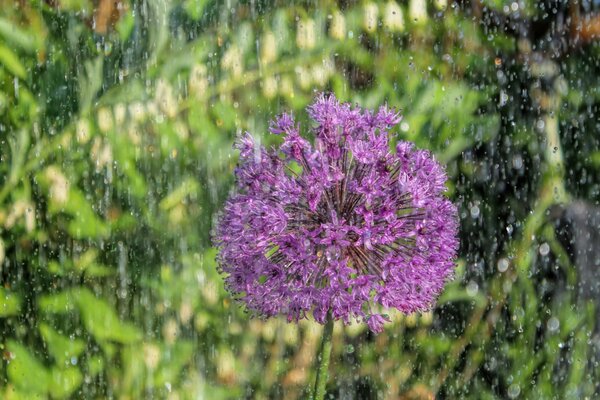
x,y
170,331
320,75
105,120
418,11
427,318
225,365
305,34
2,253
134,134
269,87
304,77
232,61
337,29
268,330
101,154
29,217
286,86
59,185
268,48
120,111
393,18
151,355
137,111
290,334
186,312
411,320
165,98
82,131
370,13
198,83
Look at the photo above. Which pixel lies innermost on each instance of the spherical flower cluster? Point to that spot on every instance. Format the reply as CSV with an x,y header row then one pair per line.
x,y
341,229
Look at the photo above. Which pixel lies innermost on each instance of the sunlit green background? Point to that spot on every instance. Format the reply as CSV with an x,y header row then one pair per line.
x,y
116,125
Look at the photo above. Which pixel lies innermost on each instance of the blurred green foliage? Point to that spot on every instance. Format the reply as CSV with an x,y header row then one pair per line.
x,y
116,125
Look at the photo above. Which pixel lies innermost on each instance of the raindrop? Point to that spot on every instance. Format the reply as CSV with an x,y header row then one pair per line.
x,y
540,124
553,324
517,161
472,288
513,391
502,265
332,253
503,98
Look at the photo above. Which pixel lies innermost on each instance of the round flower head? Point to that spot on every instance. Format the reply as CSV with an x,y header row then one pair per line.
x,y
343,227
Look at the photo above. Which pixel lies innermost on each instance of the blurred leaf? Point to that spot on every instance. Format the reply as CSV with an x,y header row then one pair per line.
x,y
26,372
81,6
19,146
57,268
188,187
101,320
125,159
125,25
225,115
17,37
10,303
95,365
195,8
87,264
58,303
128,93
12,62
439,345
569,320
176,357
222,392
457,294
64,382
90,82
62,348
133,359
85,223
98,271
11,393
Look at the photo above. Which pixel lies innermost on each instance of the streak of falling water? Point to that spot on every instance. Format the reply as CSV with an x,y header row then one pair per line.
x,y
122,269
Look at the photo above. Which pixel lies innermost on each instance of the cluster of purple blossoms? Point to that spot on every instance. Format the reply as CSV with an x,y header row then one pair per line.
x,y
342,228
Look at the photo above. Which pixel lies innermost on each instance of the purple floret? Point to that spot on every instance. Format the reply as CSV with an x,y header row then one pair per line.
x,y
344,227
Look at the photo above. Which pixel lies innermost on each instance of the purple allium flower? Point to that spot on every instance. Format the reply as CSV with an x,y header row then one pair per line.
x,y
344,227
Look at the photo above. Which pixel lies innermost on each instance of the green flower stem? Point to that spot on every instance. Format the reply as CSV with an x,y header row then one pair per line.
x,y
323,361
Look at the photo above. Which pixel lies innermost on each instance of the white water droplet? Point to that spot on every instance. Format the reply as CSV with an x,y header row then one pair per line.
x,y
502,265
544,249
472,288
553,324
